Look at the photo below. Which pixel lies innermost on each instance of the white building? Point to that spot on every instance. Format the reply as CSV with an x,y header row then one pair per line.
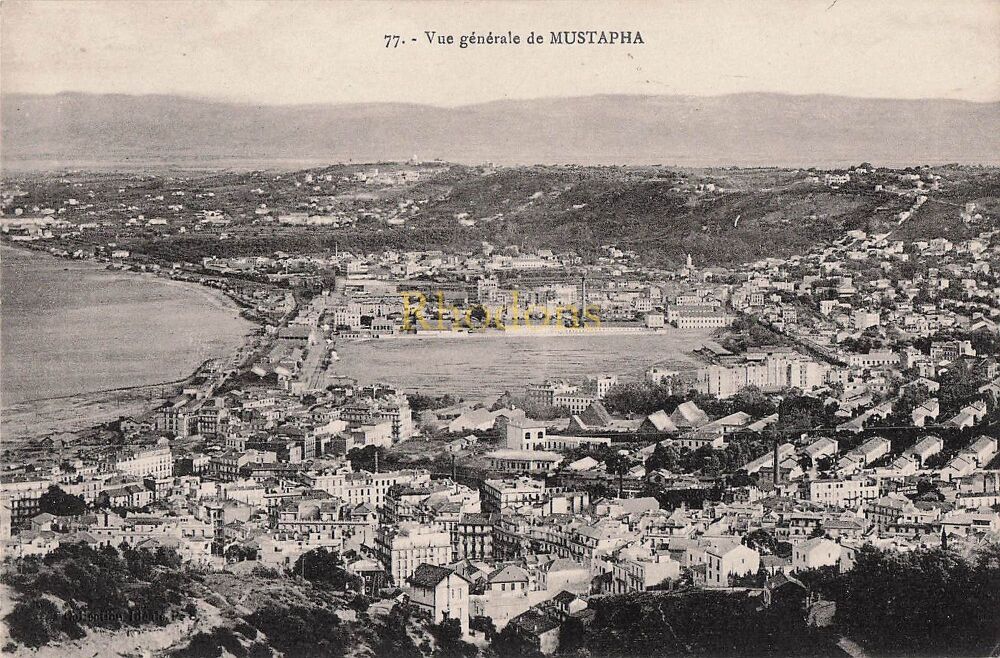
x,y
815,553
155,462
402,549
843,492
439,593
727,560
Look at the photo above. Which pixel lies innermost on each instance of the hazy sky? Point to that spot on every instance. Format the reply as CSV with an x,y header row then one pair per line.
x,y
306,52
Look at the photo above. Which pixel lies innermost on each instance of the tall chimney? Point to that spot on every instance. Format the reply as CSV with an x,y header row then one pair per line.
x,y
777,474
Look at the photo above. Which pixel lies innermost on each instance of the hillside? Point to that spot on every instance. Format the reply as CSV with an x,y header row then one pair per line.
x,y
663,215
742,129
82,601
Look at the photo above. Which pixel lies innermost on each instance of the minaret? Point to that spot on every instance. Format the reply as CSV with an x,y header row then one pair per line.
x,y
690,262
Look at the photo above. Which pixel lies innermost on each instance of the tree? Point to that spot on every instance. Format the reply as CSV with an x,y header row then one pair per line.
x,y
826,463
57,502
36,622
97,588
959,385
752,401
393,640
484,625
761,540
364,458
507,644
666,457
617,464
503,402
740,479
241,553
640,398
478,313
449,630
572,635
326,567
360,603
697,623
420,402
212,643
300,630
927,601
448,635
804,412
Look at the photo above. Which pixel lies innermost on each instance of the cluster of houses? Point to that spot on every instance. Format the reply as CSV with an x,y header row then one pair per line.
x,y
240,474
524,546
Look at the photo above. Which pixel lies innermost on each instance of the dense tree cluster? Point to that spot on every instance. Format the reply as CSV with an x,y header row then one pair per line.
x,y
927,602
960,382
420,402
325,567
922,603
645,397
984,341
302,631
740,449
641,397
699,623
99,588
448,636
747,332
799,412
364,458
57,502
216,643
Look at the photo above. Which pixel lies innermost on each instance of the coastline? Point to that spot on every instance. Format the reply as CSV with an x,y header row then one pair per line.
x,y
74,412
39,418
219,298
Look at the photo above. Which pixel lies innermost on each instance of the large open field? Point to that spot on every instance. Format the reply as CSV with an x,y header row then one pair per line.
x,y
481,367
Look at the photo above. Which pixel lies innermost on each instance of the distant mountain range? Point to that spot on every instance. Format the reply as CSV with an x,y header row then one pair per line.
x,y
744,129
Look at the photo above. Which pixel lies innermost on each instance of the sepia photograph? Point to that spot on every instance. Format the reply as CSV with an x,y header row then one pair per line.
x,y
499,328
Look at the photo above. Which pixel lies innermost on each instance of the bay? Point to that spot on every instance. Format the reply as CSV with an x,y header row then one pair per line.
x,y
74,327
